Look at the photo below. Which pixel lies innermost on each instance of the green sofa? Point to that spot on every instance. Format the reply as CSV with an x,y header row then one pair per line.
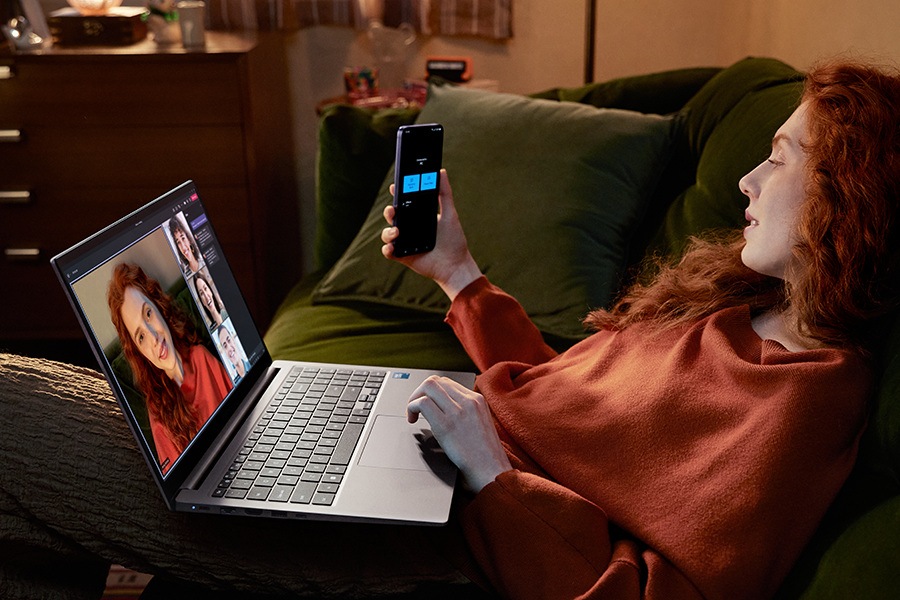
x,y
560,202
549,193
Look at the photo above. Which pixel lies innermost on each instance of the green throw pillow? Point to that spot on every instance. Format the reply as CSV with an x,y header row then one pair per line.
x,y
549,195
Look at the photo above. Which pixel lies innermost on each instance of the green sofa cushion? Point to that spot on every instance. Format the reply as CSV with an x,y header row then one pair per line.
x,y
864,561
728,130
549,195
364,334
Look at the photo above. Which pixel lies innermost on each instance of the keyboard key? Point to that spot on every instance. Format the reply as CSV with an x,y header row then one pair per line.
x,y
323,499
327,488
346,444
290,480
303,493
281,493
258,493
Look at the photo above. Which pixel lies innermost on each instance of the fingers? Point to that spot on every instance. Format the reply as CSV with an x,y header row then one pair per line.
x,y
439,400
388,234
388,213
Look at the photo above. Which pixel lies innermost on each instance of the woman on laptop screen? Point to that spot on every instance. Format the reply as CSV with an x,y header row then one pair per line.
x,y
181,380
209,300
188,254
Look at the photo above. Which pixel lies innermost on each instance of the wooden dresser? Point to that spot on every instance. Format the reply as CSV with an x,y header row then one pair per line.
x,y
87,135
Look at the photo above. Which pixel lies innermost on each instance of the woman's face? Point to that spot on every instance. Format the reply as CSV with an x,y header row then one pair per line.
x,y
777,191
184,245
206,295
148,330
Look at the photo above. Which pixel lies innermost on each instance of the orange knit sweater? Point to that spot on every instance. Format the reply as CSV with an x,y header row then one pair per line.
x,y
694,462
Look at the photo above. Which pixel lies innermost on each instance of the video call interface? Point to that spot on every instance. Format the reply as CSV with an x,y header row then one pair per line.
x,y
171,321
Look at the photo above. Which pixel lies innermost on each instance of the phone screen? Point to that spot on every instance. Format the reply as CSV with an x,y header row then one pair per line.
x,y
416,187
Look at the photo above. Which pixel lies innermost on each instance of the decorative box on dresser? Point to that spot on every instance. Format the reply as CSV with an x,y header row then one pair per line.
x,y
89,134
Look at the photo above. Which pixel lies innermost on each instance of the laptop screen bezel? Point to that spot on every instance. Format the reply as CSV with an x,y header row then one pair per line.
x,y
148,217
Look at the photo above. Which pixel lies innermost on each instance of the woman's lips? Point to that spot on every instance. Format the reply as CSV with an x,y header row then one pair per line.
x,y
163,350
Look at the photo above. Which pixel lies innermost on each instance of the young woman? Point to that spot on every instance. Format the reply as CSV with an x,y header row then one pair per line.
x,y
182,382
189,256
689,447
209,301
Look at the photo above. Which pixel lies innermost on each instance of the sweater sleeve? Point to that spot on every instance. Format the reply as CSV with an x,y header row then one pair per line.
x,y
493,327
533,538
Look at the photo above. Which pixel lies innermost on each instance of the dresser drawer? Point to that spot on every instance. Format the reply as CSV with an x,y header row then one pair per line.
x,y
111,90
123,156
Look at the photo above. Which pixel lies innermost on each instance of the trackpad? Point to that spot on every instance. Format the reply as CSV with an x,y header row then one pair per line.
x,y
396,444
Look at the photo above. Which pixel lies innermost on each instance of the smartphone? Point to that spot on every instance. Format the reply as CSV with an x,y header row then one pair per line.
x,y
417,183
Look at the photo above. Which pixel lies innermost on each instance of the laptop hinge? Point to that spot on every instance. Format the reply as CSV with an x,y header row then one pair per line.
x,y
212,455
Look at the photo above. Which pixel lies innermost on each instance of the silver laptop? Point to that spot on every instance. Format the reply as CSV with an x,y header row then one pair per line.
x,y
223,427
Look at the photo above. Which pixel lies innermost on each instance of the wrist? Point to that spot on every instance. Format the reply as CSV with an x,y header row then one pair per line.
x,y
476,483
460,278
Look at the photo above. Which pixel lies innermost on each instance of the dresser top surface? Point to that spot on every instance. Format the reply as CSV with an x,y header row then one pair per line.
x,y
216,43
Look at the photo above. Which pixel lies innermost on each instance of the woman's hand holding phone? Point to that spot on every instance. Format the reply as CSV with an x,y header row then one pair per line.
x,y
450,264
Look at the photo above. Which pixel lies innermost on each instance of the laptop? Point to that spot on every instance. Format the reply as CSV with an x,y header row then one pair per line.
x,y
223,427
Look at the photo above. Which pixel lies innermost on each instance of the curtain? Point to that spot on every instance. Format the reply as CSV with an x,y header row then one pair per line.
x,y
491,19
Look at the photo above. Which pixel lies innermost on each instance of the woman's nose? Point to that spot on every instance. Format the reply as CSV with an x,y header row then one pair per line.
x,y
748,184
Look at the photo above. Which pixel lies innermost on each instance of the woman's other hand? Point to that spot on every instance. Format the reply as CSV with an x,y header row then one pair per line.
x,y
462,424
450,264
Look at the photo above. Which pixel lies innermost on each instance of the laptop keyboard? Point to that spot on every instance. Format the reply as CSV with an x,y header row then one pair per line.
x,y
300,448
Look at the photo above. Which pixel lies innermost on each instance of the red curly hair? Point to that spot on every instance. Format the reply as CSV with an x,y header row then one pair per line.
x,y
847,251
164,398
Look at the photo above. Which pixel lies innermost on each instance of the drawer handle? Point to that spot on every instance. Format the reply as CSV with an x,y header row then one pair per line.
x,y
10,135
22,254
6,72
15,197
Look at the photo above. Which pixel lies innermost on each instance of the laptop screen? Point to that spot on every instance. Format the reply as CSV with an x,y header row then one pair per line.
x,y
166,318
